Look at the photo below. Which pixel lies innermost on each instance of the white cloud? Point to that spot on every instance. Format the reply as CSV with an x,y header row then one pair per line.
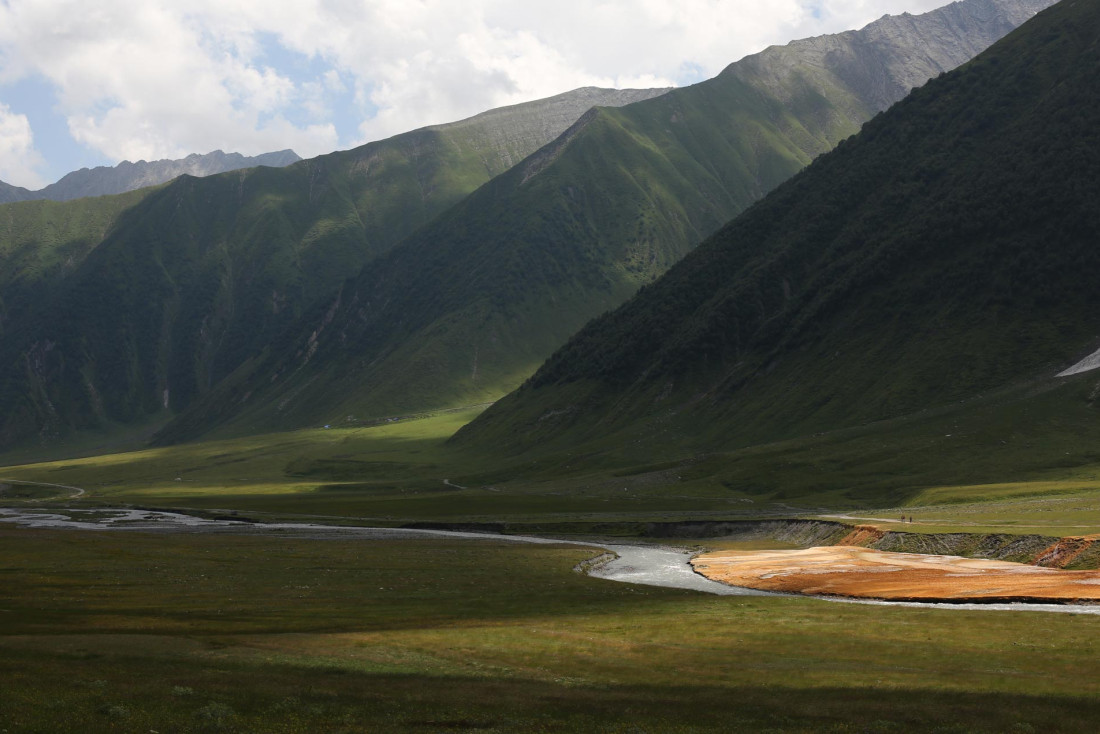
x,y
19,161
156,78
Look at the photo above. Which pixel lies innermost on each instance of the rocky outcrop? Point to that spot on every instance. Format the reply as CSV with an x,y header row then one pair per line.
x,y
993,546
127,176
862,535
1066,552
883,61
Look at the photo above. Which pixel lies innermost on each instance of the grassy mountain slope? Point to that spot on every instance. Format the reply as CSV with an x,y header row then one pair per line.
x,y
165,292
41,241
466,308
947,250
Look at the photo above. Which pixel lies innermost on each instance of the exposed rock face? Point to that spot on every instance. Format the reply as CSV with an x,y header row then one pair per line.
x,y
13,193
884,60
127,176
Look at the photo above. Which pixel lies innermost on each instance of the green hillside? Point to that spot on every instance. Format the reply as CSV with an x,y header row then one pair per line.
x,y
116,309
41,242
948,250
465,309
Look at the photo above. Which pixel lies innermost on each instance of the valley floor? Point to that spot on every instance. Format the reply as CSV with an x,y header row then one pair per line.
x,y
293,628
195,632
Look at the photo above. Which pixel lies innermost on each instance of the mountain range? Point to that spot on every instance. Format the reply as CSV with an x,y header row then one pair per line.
x,y
225,301
467,307
127,176
118,307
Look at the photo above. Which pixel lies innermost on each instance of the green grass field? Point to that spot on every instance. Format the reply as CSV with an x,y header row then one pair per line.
x,y
177,633
1020,462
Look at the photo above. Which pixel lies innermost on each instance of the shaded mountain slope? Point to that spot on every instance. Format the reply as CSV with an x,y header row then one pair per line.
x,y
43,241
467,307
161,293
948,250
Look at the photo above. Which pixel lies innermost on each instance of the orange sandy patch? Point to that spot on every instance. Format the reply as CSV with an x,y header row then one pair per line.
x,y
870,574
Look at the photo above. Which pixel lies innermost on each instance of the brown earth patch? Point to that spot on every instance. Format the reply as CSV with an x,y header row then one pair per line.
x,y
863,535
1065,551
869,574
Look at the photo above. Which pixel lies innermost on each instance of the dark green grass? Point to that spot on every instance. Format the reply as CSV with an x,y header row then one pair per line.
x,y
132,632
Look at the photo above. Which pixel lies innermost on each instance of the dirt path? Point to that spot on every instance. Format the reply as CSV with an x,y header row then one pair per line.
x,y
75,491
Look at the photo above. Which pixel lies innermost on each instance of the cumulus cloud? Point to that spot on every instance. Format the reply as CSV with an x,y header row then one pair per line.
x,y
19,161
155,78
141,80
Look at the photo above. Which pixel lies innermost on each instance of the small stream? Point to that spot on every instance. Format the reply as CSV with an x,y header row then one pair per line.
x,y
647,564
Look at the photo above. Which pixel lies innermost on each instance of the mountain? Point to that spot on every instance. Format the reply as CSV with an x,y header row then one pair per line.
x,y
127,176
947,251
891,56
13,193
116,308
467,307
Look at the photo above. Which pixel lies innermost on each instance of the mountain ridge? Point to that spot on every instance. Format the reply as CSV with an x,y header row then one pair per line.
x,y
112,307
129,176
945,251
469,305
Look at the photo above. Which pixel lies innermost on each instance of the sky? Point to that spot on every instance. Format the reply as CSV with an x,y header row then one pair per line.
x,y
85,84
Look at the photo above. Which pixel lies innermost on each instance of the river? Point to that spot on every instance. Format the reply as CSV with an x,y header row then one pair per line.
x,y
635,563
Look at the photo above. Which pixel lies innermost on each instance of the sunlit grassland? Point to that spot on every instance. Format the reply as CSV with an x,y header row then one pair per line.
x,y
392,471
1044,508
264,471
1019,462
132,632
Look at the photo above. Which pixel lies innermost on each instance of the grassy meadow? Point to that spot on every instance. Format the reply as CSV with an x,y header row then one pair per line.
x,y
135,632
177,632
1022,461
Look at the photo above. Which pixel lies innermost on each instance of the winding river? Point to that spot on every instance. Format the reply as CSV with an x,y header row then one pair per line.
x,y
647,564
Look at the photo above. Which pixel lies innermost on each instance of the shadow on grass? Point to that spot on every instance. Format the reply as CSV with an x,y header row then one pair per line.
x,y
122,694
